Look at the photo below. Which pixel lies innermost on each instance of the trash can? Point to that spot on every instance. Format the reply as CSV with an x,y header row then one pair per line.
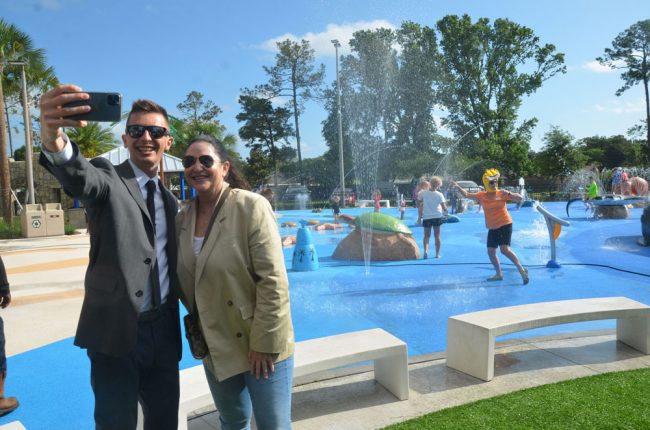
x,y
32,221
54,220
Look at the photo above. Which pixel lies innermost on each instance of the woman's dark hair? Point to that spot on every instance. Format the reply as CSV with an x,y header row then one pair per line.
x,y
234,176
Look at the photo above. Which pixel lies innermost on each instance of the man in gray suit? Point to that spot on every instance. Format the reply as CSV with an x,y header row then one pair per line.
x,y
129,322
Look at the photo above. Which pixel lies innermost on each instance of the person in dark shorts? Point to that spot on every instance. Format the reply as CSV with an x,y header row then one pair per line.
x,y
433,210
336,208
498,221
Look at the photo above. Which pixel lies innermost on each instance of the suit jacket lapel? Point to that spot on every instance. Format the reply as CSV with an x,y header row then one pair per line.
x,y
125,172
186,236
212,238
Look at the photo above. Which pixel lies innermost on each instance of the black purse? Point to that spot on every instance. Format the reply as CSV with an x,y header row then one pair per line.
x,y
195,339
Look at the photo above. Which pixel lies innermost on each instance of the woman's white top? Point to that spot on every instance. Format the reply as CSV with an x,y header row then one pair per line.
x,y
197,244
431,201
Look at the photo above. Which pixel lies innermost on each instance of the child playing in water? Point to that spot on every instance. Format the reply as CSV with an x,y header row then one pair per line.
x,y
433,209
498,221
336,208
376,197
422,186
402,206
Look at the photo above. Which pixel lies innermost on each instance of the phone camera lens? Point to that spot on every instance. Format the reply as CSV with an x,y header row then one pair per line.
x,y
113,99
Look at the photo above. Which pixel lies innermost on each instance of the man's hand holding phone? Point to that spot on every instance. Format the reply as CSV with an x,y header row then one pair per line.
x,y
54,115
69,106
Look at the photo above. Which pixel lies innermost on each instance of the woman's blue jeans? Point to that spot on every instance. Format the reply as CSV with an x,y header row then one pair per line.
x,y
269,399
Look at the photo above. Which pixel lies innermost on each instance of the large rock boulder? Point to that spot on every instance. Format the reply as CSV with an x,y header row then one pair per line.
x,y
384,247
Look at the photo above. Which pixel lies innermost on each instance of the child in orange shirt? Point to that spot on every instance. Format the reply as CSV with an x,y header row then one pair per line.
x,y
498,221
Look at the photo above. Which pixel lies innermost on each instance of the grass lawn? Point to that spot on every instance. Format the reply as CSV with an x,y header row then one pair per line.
x,y
618,400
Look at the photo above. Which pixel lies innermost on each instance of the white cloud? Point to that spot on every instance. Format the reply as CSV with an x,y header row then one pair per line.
x,y
596,67
621,108
322,42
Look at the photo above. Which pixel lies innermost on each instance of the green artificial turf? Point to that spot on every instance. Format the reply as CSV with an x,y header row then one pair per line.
x,y
619,400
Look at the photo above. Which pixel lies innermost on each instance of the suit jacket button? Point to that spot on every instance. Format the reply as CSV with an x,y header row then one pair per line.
x,y
239,334
229,302
139,293
147,260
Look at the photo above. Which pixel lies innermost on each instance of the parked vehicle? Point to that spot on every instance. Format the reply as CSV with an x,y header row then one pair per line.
x,y
350,196
470,186
292,192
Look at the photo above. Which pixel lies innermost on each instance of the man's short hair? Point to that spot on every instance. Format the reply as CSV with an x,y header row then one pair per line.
x,y
147,106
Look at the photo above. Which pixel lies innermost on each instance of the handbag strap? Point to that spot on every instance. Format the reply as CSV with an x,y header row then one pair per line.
x,y
215,212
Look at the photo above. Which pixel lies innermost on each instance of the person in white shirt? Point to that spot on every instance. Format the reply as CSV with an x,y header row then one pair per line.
x,y
433,210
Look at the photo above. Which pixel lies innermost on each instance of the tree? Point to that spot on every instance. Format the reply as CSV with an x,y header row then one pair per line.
x,y
610,152
93,140
559,157
485,72
199,118
370,104
14,46
19,154
40,78
197,110
631,52
416,127
264,126
387,92
257,168
295,76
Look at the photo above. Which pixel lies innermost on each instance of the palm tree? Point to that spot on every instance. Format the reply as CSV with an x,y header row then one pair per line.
x,y
14,46
93,140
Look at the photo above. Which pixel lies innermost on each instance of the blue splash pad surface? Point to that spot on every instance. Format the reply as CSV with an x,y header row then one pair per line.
x,y
411,299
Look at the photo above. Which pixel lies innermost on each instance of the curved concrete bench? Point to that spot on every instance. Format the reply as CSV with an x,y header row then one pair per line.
x,y
470,337
315,355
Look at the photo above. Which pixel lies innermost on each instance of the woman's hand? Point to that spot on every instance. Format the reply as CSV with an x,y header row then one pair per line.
x,y
260,363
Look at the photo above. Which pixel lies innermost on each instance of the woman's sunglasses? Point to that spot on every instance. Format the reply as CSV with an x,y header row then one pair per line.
x,y
205,160
136,131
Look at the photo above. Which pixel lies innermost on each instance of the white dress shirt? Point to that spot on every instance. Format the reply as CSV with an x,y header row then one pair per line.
x,y
66,154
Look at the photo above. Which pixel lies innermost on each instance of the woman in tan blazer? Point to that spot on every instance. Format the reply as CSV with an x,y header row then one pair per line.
x,y
233,277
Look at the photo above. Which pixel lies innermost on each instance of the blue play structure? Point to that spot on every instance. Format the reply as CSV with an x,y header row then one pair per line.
x,y
304,253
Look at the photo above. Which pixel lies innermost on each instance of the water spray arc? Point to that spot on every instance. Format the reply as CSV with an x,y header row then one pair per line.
x,y
460,139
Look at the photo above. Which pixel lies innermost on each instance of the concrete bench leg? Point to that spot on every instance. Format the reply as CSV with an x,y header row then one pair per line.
x,y
392,372
634,332
470,349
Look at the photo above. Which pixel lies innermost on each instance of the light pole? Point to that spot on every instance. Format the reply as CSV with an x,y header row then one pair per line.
x,y
337,45
28,133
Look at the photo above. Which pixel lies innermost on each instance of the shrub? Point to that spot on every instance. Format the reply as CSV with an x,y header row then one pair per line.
x,y
10,231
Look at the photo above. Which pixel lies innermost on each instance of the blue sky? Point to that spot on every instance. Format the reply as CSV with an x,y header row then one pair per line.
x,y
164,49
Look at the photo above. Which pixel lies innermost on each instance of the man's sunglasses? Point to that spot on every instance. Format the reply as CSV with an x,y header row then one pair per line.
x,y
136,131
205,160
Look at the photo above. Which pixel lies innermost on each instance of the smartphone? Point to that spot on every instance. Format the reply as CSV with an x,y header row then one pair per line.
x,y
104,107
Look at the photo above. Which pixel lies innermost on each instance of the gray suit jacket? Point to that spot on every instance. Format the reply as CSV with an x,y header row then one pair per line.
x,y
122,251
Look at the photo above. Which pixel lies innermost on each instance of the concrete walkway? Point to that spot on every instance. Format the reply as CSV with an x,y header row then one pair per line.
x,y
46,276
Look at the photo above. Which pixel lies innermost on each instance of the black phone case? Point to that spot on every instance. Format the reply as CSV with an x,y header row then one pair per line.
x,y
101,109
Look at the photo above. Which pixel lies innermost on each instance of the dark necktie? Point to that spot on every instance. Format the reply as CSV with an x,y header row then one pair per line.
x,y
155,279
